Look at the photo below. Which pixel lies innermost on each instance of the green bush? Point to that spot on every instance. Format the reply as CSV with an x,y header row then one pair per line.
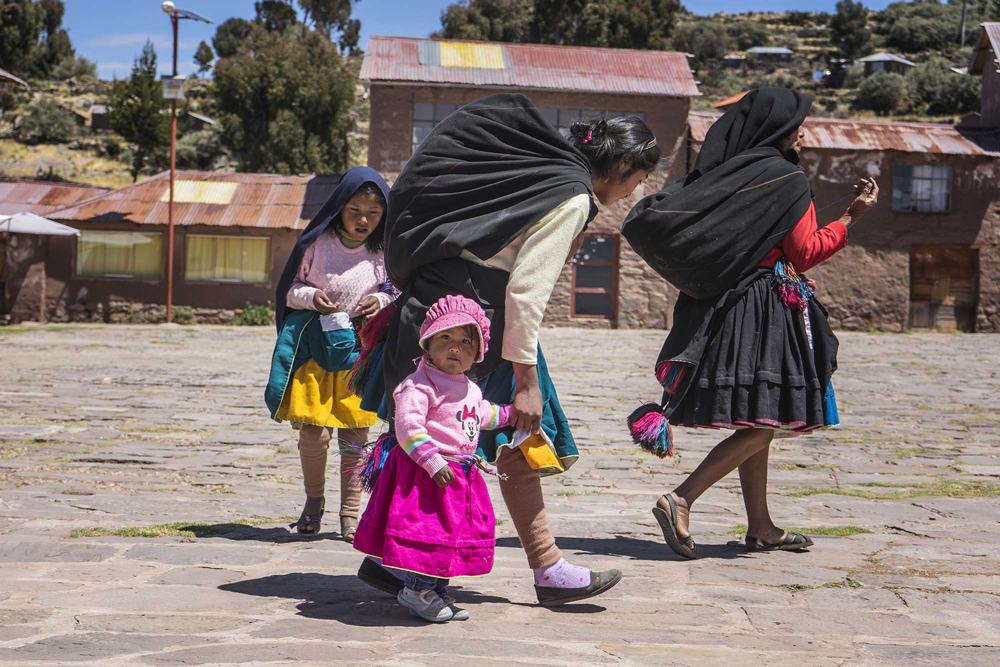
x,y
748,34
704,39
198,150
49,122
182,316
934,89
255,315
855,76
883,93
74,67
777,80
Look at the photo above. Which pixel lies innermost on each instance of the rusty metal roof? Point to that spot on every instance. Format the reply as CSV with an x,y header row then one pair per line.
x,y
863,135
206,198
989,39
42,197
537,66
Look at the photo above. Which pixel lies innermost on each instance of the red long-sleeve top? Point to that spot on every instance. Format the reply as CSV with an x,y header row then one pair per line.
x,y
806,245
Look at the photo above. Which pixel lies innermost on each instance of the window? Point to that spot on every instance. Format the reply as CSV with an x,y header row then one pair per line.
x,y
921,188
119,254
595,278
235,259
562,119
426,115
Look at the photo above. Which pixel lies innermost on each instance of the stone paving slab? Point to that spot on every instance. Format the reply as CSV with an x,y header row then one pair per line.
x,y
115,433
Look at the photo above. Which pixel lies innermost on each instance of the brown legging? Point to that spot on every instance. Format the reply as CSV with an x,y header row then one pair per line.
x,y
314,444
522,493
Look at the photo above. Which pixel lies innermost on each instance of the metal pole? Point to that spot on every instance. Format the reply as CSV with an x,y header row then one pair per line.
x,y
170,207
965,6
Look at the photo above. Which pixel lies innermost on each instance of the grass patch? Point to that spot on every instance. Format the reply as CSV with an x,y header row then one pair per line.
x,y
4,331
812,466
577,493
948,488
903,452
836,531
166,342
181,529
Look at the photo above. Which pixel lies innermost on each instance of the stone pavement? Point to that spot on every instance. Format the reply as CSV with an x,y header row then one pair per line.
x,y
112,433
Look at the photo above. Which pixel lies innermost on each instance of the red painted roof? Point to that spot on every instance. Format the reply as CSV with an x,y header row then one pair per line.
x,y
989,39
863,135
257,200
537,66
42,197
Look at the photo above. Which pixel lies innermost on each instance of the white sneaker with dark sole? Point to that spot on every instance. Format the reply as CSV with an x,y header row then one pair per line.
x,y
426,605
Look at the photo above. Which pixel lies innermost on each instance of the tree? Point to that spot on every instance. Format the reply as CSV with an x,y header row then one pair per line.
x,y
883,93
936,90
203,57
333,16
229,36
633,24
703,39
849,29
20,26
135,107
275,15
287,108
925,25
74,67
748,34
488,20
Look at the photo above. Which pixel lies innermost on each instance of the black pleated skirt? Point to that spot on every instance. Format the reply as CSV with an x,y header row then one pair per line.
x,y
759,368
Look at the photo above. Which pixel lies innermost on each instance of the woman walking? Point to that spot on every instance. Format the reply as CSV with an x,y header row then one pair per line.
x,y
750,349
490,207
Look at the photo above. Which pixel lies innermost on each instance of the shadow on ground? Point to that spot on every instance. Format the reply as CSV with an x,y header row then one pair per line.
x,y
633,548
344,598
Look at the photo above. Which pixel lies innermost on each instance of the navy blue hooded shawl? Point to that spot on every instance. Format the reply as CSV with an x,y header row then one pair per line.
x,y
351,181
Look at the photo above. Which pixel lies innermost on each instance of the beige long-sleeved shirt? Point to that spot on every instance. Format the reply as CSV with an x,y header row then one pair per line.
x,y
534,261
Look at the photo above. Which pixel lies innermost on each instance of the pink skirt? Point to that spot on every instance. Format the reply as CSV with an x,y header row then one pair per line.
x,y
413,524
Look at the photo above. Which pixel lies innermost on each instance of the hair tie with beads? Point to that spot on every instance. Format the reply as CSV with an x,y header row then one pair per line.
x,y
590,137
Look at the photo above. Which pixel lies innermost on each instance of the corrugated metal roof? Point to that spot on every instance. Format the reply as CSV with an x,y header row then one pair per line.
x,y
42,197
4,74
989,39
223,200
885,56
832,133
771,50
543,67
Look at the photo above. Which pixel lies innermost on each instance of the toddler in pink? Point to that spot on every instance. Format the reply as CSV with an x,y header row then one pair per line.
x,y
430,513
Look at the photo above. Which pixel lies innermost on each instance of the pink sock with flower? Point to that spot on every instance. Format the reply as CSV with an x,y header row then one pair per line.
x,y
562,574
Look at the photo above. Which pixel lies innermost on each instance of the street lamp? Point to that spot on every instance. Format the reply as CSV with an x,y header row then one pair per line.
x,y
173,89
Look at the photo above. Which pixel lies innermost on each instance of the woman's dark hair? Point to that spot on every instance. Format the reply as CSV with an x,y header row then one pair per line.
x,y
376,240
606,142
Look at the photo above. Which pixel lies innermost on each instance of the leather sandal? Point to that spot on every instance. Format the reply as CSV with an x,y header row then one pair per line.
x,y
600,582
682,546
788,542
348,527
309,525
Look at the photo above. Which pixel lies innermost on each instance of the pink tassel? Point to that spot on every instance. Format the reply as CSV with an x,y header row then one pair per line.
x,y
651,430
670,375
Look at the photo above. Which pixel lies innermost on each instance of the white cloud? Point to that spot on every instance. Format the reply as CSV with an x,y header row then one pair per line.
x,y
138,39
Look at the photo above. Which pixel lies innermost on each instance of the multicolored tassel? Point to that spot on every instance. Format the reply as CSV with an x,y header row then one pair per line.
x,y
651,430
794,290
373,460
364,368
374,331
670,374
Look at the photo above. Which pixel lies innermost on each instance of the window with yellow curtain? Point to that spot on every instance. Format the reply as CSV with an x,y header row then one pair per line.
x,y
119,254
227,258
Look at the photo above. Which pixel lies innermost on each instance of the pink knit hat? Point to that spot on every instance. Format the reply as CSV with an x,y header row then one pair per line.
x,y
456,311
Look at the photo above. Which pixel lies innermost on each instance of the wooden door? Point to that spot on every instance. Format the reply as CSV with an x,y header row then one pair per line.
x,y
943,287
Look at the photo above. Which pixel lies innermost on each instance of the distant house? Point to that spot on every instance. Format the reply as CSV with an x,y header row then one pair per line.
x,y
734,61
769,55
199,122
8,79
99,117
886,62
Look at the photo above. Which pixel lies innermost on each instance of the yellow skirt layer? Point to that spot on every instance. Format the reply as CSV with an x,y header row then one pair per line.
x,y
322,398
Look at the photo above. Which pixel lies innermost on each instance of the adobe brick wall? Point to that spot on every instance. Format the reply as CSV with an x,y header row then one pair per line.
x,y
644,299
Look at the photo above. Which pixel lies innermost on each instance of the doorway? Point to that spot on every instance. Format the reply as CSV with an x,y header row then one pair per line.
x,y
944,287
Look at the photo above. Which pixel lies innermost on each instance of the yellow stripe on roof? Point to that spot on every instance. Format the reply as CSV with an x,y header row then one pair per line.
x,y
200,192
480,56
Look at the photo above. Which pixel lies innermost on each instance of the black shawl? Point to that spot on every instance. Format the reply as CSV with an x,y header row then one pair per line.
x,y
708,232
349,184
479,180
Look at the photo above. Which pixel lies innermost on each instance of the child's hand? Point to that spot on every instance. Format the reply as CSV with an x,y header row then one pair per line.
x,y
369,306
323,304
444,477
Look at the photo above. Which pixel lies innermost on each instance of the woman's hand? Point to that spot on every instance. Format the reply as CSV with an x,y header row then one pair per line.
x,y
444,476
867,196
323,304
526,410
369,305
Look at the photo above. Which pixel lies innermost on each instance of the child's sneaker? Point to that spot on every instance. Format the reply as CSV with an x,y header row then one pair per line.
x,y
425,604
458,614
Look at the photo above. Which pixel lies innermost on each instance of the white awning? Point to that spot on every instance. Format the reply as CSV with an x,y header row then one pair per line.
x,y
29,223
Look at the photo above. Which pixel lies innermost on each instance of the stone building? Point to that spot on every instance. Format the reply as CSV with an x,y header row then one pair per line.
x,y
232,236
415,83
886,62
986,62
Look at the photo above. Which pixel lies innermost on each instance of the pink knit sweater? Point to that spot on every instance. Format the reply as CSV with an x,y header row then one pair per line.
x,y
438,413
346,275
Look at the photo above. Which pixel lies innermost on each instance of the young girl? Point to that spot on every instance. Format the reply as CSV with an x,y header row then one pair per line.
x,y
336,270
430,513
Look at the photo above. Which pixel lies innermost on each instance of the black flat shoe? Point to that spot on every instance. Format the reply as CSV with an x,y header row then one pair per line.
x,y
789,542
682,546
378,577
599,583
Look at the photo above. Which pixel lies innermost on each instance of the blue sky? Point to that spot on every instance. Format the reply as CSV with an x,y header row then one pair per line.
x,y
112,32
